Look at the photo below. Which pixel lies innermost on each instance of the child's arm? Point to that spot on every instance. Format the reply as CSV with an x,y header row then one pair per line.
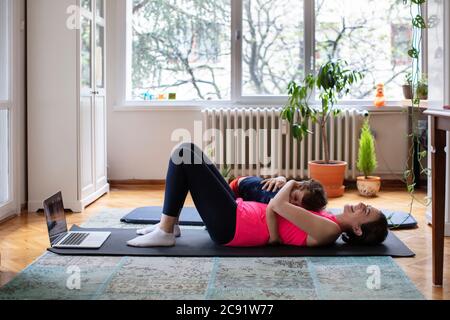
x,y
274,184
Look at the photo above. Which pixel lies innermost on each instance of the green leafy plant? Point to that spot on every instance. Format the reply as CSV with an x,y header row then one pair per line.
x,y
408,79
334,80
416,7
422,88
367,158
226,173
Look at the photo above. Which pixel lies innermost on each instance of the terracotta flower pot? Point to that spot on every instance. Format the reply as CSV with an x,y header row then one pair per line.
x,y
330,175
368,187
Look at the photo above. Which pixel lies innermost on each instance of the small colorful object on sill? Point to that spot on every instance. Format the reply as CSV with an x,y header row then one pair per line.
x,y
172,96
147,96
380,99
161,97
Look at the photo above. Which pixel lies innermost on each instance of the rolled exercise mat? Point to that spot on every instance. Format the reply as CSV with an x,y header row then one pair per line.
x,y
197,243
190,217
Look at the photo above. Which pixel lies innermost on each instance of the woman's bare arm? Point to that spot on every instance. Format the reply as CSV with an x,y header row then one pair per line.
x,y
272,224
320,230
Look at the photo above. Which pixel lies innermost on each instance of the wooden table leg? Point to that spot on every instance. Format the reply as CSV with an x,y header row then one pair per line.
x,y
438,141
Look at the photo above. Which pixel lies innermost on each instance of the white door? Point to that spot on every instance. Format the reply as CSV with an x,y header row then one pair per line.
x,y
87,99
7,205
100,97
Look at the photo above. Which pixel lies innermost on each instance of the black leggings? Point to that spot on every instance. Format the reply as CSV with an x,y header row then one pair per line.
x,y
191,171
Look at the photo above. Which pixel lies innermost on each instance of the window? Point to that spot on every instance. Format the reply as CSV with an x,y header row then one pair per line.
x,y
272,47
194,50
181,50
372,36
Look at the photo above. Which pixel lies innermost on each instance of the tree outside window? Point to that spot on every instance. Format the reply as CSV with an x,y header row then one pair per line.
x,y
184,46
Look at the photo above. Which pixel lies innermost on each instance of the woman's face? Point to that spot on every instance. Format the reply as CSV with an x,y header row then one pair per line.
x,y
361,214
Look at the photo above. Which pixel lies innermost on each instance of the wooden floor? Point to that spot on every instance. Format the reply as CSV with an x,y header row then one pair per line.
x,y
23,239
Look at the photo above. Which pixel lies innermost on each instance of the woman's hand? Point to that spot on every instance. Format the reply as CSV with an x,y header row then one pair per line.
x,y
274,184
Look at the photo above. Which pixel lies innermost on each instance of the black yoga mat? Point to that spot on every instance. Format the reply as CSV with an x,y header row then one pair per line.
x,y
190,217
197,243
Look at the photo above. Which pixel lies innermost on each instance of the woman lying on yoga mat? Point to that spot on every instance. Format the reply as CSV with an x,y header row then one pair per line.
x,y
239,223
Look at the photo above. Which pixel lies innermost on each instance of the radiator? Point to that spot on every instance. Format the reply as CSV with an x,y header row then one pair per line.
x,y
258,142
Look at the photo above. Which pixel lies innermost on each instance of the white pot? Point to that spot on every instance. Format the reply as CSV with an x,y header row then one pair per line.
x,y
368,187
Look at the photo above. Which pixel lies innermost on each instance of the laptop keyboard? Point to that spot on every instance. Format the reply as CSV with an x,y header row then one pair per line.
x,y
74,239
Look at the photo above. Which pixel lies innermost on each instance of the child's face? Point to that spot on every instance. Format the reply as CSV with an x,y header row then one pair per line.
x,y
296,197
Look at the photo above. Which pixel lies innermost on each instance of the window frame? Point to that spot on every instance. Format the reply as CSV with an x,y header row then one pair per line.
x,y
237,99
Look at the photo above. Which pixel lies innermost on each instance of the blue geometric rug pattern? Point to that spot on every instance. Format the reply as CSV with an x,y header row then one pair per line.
x,y
54,277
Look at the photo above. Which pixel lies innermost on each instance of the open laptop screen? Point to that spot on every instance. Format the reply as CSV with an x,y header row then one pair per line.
x,y
56,217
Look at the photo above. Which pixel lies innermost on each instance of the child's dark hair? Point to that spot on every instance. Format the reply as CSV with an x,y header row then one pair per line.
x,y
373,233
314,197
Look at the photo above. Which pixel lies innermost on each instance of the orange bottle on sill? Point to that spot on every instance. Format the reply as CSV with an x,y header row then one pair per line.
x,y
380,100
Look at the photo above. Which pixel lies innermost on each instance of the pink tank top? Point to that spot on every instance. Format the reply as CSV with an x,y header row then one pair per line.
x,y
252,229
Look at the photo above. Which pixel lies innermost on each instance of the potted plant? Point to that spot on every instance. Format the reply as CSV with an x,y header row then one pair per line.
x,y
368,186
333,81
422,88
407,87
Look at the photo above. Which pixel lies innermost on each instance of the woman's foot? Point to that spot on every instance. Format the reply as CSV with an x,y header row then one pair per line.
x,y
157,238
150,229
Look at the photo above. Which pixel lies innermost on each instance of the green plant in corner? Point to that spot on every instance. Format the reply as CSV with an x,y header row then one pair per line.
x,y
367,158
368,186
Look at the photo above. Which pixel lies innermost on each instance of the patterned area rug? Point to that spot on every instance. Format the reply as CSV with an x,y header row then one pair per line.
x,y
343,278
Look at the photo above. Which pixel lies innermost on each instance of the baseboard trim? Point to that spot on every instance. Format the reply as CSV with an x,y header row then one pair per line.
x,y
351,184
76,206
134,182
94,197
7,218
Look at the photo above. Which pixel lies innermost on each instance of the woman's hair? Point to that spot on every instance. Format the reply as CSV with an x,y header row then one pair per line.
x,y
314,197
373,233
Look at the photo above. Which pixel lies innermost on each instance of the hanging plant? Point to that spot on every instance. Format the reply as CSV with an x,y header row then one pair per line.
x,y
418,26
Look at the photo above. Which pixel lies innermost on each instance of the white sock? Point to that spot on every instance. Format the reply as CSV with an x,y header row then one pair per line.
x,y
150,229
157,238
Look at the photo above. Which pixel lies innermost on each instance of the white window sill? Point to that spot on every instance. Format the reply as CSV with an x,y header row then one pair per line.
x,y
175,106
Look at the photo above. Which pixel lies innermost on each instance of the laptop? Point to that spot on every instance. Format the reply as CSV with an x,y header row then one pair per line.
x,y
60,237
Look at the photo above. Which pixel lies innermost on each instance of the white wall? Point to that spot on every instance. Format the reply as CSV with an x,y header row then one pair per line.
x,y
139,142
